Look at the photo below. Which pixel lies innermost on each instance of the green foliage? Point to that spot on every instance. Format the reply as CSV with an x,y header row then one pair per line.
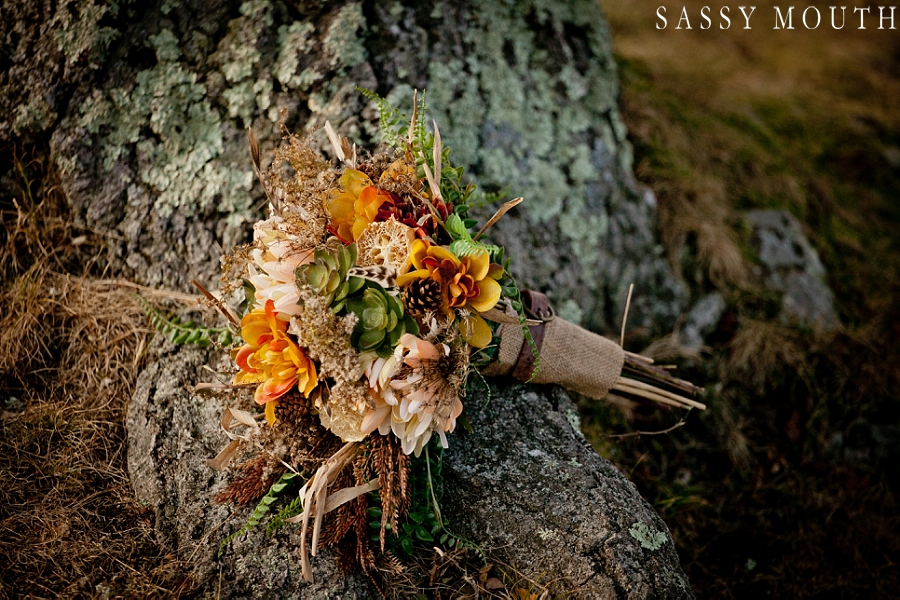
x,y
263,508
421,138
293,508
393,123
463,244
475,360
186,332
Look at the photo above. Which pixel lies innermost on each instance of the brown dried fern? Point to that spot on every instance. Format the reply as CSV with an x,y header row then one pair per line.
x,y
256,478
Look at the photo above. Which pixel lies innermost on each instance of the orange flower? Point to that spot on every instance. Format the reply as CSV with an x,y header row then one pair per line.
x,y
370,200
355,205
466,282
271,358
398,170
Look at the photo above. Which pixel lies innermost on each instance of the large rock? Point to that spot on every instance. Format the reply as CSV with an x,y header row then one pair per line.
x,y
148,134
526,481
789,264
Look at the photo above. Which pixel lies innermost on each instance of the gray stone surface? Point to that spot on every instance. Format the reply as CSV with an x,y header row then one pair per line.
x,y
791,265
702,320
526,481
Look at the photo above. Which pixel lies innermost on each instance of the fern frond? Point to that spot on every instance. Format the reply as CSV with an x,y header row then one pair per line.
x,y
293,508
394,124
261,510
186,332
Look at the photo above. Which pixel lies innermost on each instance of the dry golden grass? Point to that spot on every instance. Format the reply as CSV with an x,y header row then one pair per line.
x,y
70,348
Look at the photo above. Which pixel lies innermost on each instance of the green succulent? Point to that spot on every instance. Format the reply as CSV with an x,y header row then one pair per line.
x,y
381,320
327,274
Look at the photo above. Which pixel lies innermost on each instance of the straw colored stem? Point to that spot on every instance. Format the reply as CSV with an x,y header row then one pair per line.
x,y
148,291
647,395
639,357
625,316
656,390
658,394
660,375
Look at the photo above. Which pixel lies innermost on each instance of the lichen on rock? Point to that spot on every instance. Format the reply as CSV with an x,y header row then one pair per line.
x,y
180,160
526,97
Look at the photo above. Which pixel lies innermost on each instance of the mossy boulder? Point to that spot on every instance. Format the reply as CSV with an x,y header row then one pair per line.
x,y
147,123
525,482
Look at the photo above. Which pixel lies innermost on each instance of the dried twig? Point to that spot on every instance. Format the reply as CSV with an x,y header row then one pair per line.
x,y
680,423
500,212
625,316
223,308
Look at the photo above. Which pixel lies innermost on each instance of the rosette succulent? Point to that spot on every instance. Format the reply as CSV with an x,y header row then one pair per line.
x,y
381,320
327,275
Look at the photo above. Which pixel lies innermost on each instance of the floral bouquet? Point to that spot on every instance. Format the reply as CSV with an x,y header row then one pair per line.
x,y
369,300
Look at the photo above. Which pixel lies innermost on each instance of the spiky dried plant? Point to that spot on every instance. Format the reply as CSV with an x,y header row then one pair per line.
x,y
252,484
392,467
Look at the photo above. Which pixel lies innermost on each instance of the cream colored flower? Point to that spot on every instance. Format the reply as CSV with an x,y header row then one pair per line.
x,y
416,393
277,253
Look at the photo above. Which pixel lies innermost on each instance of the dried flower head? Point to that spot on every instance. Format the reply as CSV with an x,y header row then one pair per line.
x,y
326,338
341,411
385,243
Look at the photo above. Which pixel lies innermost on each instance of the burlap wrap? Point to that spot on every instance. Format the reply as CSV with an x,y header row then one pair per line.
x,y
577,359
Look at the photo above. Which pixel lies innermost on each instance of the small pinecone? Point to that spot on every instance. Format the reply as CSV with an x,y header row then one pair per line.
x,y
422,296
292,408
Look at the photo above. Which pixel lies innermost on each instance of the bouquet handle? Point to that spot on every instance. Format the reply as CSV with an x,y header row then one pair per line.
x,y
570,356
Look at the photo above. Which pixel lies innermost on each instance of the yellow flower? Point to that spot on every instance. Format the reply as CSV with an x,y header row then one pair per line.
x,y
271,358
342,206
467,282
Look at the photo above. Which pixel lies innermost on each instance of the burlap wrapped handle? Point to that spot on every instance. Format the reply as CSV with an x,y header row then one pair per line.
x,y
577,359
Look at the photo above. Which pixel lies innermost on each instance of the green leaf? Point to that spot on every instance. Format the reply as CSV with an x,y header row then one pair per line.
x,y
263,508
407,545
423,535
456,228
